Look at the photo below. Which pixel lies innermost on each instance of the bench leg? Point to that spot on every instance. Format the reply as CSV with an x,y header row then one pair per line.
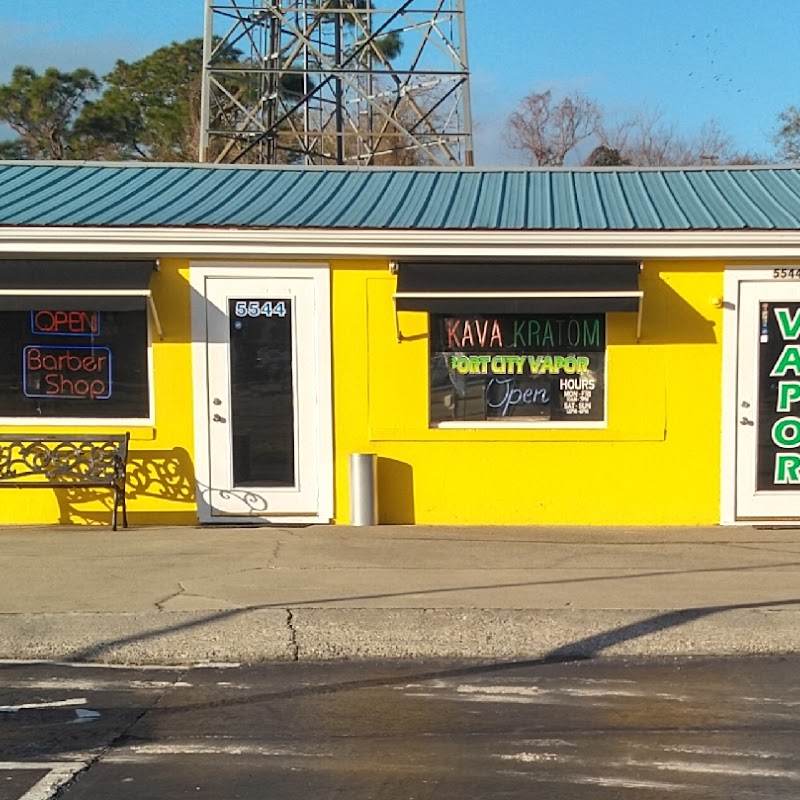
x,y
119,502
118,485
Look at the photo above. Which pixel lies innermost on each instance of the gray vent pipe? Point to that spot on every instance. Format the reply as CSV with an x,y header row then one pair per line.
x,y
363,489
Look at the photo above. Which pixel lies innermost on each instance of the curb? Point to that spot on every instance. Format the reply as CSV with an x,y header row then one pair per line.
x,y
317,634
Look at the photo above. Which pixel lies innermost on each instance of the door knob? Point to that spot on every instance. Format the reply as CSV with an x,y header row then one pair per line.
x,y
218,418
745,421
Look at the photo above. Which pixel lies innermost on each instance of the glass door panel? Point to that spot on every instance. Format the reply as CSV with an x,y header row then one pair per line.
x,y
262,391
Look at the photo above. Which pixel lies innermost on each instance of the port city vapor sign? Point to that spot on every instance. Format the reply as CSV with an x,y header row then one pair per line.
x,y
544,367
779,397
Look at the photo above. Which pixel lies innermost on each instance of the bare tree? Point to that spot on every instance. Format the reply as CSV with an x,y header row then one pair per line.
x,y
549,131
577,129
644,139
787,138
746,157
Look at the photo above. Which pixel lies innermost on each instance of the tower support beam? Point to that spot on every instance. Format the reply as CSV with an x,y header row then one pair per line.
x,y
336,82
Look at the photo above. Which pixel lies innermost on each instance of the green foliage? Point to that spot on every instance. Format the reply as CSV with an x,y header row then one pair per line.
x,y
294,84
150,108
42,109
11,150
390,45
147,109
603,156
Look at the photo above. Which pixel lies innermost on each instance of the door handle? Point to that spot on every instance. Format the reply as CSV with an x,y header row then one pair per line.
x,y
745,421
218,418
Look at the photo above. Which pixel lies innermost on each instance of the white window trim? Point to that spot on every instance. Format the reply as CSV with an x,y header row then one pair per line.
x,y
520,425
512,425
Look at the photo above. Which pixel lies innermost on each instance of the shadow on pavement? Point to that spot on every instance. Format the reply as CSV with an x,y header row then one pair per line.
x,y
583,648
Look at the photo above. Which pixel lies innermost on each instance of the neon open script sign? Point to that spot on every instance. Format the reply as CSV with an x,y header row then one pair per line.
x,y
66,372
65,323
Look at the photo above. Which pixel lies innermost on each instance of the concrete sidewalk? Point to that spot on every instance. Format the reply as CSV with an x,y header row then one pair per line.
x,y
186,595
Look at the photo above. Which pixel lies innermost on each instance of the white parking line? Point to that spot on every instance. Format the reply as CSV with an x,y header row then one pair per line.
x,y
75,701
59,774
17,662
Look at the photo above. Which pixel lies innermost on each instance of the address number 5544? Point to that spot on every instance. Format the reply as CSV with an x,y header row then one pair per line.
x,y
259,308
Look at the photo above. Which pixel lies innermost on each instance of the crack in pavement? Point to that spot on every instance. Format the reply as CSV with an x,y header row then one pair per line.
x,y
159,604
220,603
275,553
267,565
294,646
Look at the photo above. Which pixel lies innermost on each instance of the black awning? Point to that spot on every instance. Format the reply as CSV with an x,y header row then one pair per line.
x,y
74,284
516,287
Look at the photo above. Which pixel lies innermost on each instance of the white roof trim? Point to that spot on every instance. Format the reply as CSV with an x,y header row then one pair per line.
x,y
396,244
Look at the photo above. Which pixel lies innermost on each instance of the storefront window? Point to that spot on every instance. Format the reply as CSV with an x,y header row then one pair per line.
x,y
517,368
74,363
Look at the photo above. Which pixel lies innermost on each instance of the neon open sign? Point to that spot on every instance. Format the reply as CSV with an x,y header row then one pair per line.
x,y
66,372
66,323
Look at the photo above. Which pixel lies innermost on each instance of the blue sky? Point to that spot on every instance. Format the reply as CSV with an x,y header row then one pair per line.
x,y
736,62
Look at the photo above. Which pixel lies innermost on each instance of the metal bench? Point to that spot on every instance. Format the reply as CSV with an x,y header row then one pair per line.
x,y
62,461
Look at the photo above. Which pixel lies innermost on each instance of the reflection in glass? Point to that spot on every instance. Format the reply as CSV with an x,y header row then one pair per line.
x,y
262,392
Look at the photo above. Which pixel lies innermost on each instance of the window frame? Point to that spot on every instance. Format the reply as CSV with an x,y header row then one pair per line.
x,y
98,422
512,423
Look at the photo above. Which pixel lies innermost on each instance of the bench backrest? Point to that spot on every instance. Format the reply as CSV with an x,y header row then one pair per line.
x,y
63,458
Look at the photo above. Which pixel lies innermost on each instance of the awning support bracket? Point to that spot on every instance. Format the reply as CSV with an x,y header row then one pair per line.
x,y
639,320
397,331
154,316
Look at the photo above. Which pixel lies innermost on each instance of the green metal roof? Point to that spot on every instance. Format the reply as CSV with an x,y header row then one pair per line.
x,y
81,194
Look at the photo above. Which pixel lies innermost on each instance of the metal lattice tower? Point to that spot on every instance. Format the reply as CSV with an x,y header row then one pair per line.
x,y
336,82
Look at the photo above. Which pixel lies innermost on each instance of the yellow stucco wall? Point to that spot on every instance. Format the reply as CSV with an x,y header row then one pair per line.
x,y
160,472
657,462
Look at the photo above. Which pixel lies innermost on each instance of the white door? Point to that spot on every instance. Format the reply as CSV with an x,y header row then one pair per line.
x,y
264,437
768,400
